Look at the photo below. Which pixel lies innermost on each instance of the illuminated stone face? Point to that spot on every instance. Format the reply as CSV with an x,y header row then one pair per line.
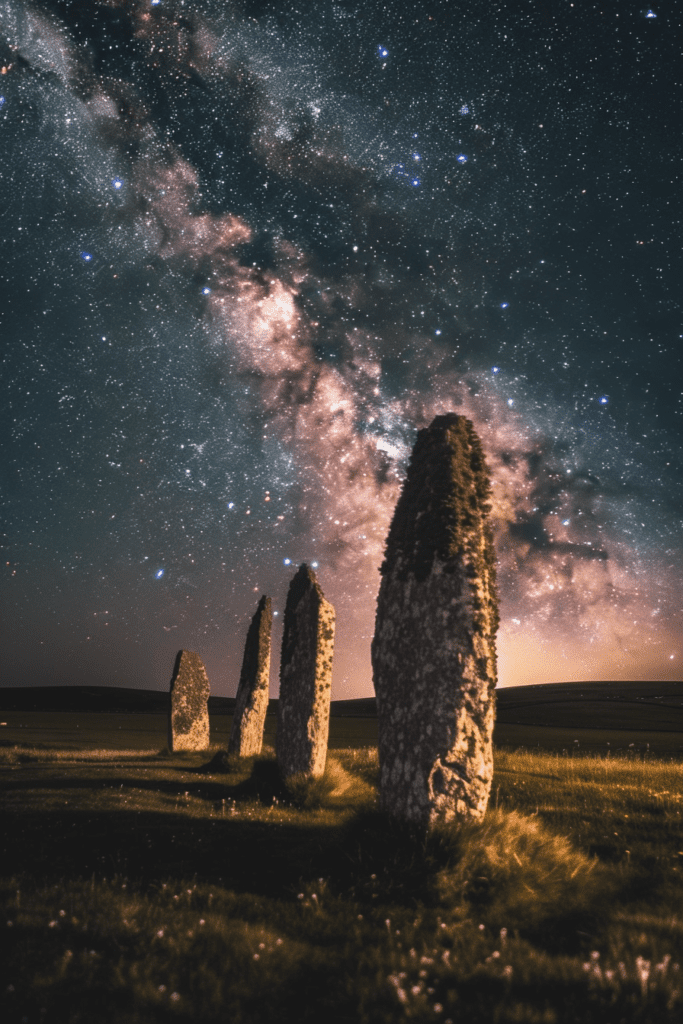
x,y
188,719
305,678
433,653
251,704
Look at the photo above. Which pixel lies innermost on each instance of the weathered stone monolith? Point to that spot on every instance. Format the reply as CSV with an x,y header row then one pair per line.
x,y
251,703
303,720
188,717
433,653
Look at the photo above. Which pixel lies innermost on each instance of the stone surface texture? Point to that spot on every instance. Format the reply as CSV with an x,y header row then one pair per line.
x,y
188,717
433,652
305,678
251,703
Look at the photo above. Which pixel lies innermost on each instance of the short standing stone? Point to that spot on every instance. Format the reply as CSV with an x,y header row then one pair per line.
x,y
433,653
188,718
303,722
251,704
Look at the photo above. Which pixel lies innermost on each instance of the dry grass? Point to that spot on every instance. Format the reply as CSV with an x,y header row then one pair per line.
x,y
140,887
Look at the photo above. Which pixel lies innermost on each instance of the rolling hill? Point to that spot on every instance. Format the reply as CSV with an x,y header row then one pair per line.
x,y
645,706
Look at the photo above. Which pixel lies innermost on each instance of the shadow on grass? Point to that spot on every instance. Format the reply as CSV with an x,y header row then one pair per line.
x,y
230,840
510,870
256,856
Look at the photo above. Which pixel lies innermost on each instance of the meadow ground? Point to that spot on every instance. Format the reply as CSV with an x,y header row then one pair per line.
x,y
143,887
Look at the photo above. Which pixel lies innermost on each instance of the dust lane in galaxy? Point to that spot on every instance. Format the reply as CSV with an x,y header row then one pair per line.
x,y
250,248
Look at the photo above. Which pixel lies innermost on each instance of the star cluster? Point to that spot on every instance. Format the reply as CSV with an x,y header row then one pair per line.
x,y
251,247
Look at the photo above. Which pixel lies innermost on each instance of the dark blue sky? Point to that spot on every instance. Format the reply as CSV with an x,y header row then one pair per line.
x,y
250,248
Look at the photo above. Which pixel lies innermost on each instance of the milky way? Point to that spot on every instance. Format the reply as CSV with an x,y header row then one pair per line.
x,y
250,249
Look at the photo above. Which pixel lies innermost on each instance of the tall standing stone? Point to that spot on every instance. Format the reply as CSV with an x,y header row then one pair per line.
x,y
251,704
188,717
303,722
433,653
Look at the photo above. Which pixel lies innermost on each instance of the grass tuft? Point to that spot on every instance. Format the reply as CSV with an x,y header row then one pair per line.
x,y
336,787
512,867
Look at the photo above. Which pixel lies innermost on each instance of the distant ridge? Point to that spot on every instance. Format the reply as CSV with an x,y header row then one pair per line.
x,y
106,699
654,706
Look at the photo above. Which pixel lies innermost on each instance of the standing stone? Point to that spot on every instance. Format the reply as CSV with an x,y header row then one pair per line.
x,y
433,653
188,718
251,704
303,722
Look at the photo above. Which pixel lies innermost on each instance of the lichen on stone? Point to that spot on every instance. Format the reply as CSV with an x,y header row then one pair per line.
x,y
434,658
442,514
188,717
305,678
251,703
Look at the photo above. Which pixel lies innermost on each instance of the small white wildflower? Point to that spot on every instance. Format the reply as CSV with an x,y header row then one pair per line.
x,y
162,988
438,1008
503,934
401,994
278,942
643,968
507,971
481,927
62,913
256,956
595,955
415,990
261,945
202,921
160,933
52,924
300,896
175,996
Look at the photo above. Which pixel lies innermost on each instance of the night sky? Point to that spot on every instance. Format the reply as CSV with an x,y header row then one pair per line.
x,y
249,248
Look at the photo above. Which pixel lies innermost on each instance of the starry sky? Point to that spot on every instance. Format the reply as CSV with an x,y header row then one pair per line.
x,y
250,247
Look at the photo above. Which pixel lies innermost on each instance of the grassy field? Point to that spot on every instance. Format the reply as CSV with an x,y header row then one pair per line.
x,y
143,887
83,731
